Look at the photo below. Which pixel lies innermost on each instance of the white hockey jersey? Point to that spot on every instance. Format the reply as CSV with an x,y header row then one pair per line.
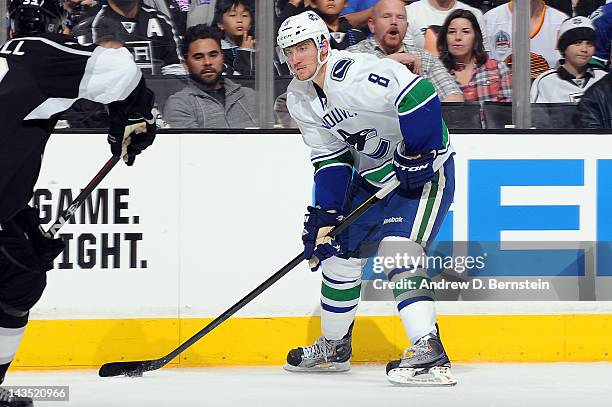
x,y
559,86
369,105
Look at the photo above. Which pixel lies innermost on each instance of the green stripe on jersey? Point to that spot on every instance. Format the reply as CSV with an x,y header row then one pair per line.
x,y
431,199
444,134
346,158
417,95
340,295
377,175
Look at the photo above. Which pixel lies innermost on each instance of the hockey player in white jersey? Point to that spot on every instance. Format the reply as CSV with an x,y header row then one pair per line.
x,y
367,120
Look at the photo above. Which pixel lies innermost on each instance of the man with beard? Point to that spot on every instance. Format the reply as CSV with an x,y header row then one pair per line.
x,y
148,34
209,100
388,25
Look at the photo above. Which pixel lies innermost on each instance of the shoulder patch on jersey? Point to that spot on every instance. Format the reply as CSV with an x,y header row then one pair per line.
x,y
340,68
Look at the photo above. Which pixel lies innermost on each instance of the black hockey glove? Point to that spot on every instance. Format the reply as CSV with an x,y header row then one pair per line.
x,y
130,139
132,127
46,248
317,245
413,173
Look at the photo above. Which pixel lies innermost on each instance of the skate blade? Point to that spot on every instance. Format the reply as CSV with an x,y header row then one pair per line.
x,y
327,367
436,376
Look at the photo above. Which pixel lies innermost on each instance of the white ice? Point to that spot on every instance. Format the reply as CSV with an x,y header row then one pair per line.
x,y
498,385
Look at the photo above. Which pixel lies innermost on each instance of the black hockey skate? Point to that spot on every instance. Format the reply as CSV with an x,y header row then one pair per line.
x,y
6,400
324,356
424,364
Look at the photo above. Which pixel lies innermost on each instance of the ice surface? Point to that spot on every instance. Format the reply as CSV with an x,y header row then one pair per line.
x,y
498,385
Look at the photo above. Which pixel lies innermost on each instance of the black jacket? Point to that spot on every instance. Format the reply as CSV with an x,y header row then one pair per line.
x,y
595,107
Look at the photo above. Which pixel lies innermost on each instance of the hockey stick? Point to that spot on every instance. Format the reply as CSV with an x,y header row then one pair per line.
x,y
78,201
137,368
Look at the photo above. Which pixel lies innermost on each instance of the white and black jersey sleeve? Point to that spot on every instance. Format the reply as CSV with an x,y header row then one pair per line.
x,y
45,75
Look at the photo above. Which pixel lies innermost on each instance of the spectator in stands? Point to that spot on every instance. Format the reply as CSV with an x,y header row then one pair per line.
x,y
388,25
461,49
147,33
595,107
426,16
602,20
209,100
576,8
544,27
575,75
235,20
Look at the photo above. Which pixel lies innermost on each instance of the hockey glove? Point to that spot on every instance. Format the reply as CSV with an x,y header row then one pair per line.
x,y
45,247
413,172
132,138
317,245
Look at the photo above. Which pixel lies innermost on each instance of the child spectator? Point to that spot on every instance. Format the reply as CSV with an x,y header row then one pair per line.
x,y
568,82
235,20
461,49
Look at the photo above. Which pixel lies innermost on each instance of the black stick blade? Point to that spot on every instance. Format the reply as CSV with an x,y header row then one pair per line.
x,y
136,368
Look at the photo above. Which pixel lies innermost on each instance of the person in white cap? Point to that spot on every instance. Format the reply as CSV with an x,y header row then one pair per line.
x,y
368,120
574,75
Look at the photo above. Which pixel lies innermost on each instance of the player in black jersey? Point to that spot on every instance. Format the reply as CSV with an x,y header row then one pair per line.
x,y
147,33
42,72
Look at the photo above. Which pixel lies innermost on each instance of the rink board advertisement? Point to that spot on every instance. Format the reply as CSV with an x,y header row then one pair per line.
x,y
201,219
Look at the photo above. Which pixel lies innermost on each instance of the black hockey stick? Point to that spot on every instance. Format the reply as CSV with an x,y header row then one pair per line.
x,y
78,201
137,368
